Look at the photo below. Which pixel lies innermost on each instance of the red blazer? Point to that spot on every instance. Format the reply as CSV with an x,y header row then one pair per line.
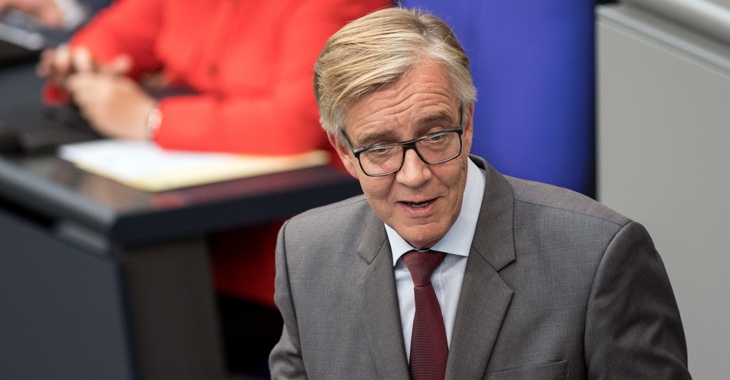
x,y
251,64
251,61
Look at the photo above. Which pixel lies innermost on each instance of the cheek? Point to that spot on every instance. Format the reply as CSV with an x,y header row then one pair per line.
x,y
452,176
377,191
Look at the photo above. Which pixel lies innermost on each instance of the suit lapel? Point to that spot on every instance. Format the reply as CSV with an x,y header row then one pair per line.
x,y
485,297
380,311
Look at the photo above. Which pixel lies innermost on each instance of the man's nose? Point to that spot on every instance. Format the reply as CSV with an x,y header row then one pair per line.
x,y
414,171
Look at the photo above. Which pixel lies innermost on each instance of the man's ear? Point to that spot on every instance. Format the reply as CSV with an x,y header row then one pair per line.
x,y
468,133
344,153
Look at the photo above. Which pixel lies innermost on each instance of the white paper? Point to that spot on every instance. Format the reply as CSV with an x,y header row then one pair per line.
x,y
144,165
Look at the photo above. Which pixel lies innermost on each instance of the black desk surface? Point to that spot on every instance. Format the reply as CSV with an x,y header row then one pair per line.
x,y
54,188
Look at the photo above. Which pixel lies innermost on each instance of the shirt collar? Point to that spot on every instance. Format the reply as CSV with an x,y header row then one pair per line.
x,y
457,240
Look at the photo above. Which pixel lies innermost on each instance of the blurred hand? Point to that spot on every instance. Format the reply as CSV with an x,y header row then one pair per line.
x,y
59,63
115,105
45,11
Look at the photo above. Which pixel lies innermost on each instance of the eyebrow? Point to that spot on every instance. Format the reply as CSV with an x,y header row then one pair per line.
x,y
436,117
368,138
425,121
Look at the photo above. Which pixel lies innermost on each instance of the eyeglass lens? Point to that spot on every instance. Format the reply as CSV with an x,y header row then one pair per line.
x,y
432,149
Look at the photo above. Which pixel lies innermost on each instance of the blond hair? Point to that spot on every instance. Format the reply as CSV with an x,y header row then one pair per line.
x,y
379,49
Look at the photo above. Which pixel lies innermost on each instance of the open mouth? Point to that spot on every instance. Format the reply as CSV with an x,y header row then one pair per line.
x,y
420,205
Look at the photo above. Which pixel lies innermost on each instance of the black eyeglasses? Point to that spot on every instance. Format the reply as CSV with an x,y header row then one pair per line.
x,y
434,148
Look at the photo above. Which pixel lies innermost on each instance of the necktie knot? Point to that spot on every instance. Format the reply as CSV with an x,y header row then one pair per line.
x,y
421,264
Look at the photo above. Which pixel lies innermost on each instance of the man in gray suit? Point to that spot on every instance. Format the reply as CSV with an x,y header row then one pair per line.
x,y
530,281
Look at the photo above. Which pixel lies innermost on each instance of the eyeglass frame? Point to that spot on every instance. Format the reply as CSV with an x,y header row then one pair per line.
x,y
410,144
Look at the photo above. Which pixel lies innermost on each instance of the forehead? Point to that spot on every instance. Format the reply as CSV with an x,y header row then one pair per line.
x,y
421,96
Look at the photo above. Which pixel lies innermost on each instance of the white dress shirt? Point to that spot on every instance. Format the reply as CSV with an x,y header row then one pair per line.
x,y
447,278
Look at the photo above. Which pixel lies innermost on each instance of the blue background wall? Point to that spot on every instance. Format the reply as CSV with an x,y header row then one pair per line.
x,y
533,65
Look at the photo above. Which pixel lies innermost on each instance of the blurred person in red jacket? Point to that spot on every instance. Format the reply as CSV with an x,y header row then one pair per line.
x,y
247,70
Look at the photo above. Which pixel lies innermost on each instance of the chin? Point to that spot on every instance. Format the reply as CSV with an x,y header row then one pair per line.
x,y
424,239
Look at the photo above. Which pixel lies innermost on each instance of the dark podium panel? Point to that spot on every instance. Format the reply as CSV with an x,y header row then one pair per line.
x,y
100,280
61,308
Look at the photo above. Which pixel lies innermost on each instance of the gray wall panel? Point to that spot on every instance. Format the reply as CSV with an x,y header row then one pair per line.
x,y
664,160
707,17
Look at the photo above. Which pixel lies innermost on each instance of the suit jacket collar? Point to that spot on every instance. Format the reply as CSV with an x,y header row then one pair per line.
x,y
484,296
494,236
380,311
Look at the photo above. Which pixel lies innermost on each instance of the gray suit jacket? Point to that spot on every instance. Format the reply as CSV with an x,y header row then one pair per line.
x,y
556,286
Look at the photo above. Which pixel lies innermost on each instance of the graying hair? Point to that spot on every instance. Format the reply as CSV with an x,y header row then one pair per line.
x,y
379,49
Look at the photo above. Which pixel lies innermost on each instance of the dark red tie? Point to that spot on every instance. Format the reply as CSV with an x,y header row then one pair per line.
x,y
429,349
